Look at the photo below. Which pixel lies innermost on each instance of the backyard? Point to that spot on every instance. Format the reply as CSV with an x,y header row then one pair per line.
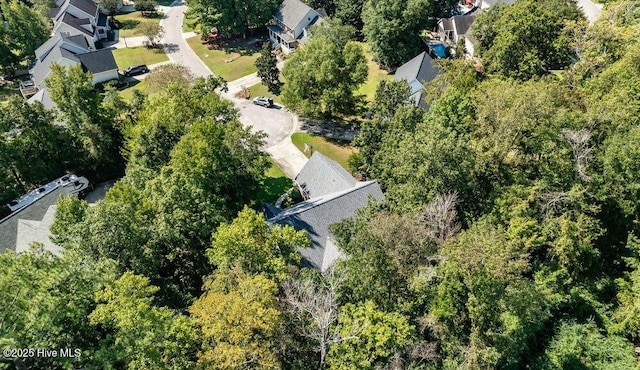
x,y
130,22
231,60
337,150
138,55
376,74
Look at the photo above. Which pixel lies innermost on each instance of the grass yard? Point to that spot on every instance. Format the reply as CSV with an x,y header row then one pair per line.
x,y
130,22
7,90
261,90
138,55
375,75
274,185
339,151
141,85
230,62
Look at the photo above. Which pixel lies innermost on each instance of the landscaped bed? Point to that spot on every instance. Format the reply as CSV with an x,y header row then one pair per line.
x,y
138,55
339,151
230,60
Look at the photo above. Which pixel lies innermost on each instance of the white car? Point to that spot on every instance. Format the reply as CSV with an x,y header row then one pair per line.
x,y
264,101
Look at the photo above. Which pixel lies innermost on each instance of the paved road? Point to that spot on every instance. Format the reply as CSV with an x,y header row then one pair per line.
x,y
590,9
174,44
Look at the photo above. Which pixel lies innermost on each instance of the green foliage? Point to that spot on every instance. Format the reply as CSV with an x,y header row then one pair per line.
x,y
485,309
91,124
23,31
267,68
192,166
378,335
33,149
580,346
350,12
45,301
141,336
239,322
527,39
250,243
391,27
232,18
322,76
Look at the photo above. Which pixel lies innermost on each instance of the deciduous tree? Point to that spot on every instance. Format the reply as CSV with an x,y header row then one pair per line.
x,y
322,76
267,68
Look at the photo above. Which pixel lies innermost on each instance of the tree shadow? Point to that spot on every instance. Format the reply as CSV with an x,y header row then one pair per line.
x,y
128,24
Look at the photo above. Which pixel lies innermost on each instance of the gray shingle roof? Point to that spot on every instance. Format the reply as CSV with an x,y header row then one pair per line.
x,y
43,97
462,23
292,12
76,23
321,176
44,49
86,6
421,68
317,214
43,67
98,61
35,212
78,40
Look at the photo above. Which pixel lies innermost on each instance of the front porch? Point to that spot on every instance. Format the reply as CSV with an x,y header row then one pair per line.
x,y
281,38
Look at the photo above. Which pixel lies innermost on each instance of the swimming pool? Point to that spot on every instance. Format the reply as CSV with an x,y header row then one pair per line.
x,y
440,50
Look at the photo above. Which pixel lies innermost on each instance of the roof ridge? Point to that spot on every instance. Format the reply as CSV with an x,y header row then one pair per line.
x,y
315,202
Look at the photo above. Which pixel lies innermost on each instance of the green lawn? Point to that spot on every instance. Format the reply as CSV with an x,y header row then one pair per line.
x,y
7,90
231,62
138,55
129,23
141,85
339,151
261,90
274,185
375,75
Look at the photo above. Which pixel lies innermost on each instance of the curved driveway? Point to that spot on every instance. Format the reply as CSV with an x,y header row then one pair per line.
x,y
277,123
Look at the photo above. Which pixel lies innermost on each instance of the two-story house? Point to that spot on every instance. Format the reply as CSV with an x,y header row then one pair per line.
x,y
290,23
80,15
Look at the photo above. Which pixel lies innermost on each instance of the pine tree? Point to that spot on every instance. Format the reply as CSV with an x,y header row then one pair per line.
x,y
267,68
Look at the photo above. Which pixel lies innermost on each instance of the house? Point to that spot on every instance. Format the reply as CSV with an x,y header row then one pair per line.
x,y
33,214
290,23
458,27
418,71
100,63
332,195
80,15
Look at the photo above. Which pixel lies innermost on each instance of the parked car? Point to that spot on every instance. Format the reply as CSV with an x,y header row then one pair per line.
x,y
135,70
264,101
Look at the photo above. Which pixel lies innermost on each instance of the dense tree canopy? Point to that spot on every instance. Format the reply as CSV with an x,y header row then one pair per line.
x,y
323,75
22,31
233,18
391,27
528,38
508,237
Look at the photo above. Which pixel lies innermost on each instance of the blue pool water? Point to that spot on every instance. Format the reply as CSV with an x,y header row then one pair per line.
x,y
439,49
